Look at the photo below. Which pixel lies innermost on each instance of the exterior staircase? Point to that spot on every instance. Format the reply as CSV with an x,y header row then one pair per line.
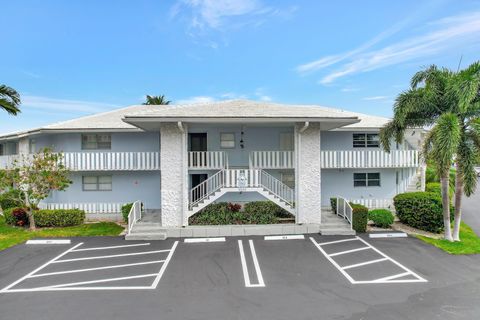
x,y
146,231
414,184
333,224
241,180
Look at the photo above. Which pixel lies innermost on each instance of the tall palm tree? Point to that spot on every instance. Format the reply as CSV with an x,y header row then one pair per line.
x,y
156,100
448,102
9,100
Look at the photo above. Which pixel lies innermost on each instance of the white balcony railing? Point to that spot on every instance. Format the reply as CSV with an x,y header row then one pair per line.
x,y
369,159
102,161
207,160
271,160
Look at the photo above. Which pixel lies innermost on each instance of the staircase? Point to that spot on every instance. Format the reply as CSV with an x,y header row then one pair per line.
x,y
146,231
241,180
333,224
414,184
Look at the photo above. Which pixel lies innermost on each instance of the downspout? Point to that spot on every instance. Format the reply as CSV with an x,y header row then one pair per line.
x,y
305,127
180,127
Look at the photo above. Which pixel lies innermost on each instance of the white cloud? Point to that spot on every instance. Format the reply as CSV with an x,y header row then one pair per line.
x,y
64,105
442,35
197,99
375,98
261,95
349,89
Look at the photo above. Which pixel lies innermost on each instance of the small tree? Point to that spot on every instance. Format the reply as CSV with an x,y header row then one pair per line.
x,y
35,176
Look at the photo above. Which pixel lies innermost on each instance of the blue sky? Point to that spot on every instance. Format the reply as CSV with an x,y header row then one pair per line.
x,y
73,58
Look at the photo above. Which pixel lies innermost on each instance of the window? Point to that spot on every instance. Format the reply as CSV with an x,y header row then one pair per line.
x,y
227,140
97,183
371,179
289,179
32,146
96,142
286,141
8,148
369,140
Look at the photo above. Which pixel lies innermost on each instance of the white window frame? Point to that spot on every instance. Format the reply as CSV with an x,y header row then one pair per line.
x,y
365,141
96,141
367,179
222,134
98,183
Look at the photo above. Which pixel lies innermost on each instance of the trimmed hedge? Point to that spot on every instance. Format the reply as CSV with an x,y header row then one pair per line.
x,y
256,212
59,217
434,187
126,210
46,218
382,218
421,210
359,217
333,204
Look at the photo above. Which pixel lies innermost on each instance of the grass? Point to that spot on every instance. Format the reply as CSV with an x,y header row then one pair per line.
x,y
10,236
469,244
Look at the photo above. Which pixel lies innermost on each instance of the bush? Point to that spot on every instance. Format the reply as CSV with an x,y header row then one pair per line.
x,y
333,204
9,199
262,212
421,210
126,210
59,217
433,187
359,217
16,216
382,218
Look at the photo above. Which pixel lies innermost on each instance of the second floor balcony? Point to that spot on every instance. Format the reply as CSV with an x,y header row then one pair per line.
x,y
344,159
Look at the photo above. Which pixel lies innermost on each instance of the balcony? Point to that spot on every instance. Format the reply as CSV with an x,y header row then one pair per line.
x,y
272,160
369,159
102,161
207,160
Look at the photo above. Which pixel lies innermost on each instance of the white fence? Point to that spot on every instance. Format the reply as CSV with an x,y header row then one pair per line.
x,y
134,215
271,160
344,210
99,161
375,203
369,159
207,160
87,207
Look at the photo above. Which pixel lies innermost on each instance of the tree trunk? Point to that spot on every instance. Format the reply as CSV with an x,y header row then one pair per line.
x,y
446,207
458,206
31,219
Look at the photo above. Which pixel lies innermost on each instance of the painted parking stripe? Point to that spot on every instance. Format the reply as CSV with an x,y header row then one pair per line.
x,y
389,279
49,241
101,280
110,256
98,268
256,265
200,240
112,247
285,237
164,266
40,268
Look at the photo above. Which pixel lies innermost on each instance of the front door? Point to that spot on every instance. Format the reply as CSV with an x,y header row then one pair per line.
x,y
195,180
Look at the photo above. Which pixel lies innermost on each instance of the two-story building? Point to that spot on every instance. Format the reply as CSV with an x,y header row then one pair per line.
x,y
177,159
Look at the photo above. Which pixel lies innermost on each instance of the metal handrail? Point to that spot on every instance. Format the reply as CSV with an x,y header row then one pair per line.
x,y
206,188
344,210
278,188
134,215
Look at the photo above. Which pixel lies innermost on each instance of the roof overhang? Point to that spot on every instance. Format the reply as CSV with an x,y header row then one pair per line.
x,y
153,123
29,133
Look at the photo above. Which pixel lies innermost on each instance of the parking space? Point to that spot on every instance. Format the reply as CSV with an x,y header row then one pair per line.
x,y
82,267
362,263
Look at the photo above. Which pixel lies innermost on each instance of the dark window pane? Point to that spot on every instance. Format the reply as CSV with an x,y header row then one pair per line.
x,y
359,183
372,176
359,140
359,176
373,140
374,183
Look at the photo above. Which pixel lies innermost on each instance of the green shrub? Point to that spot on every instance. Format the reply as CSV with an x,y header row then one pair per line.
x,y
15,216
9,199
59,217
434,187
382,218
268,208
421,210
126,210
333,204
359,217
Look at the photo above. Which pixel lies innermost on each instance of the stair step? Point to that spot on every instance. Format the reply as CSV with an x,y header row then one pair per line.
x,y
145,229
146,236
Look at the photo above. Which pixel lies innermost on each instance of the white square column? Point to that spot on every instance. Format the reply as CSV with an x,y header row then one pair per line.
x,y
308,173
173,157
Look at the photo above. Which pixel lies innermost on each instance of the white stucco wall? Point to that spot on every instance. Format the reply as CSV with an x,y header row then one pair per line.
x,y
308,174
174,174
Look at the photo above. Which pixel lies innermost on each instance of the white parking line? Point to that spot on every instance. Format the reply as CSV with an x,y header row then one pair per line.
x,y
49,241
110,256
200,240
256,265
72,286
112,247
389,279
285,237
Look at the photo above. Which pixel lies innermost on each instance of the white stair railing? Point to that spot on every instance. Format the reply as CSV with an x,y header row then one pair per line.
x,y
206,188
134,215
344,209
278,188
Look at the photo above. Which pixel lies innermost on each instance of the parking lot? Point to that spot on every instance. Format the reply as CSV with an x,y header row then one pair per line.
x,y
237,278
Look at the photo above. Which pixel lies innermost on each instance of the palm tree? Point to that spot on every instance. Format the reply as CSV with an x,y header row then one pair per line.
x,y
449,102
9,100
156,100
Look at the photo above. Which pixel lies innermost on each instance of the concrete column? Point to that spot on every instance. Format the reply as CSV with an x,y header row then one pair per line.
x,y
173,174
308,175
24,146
